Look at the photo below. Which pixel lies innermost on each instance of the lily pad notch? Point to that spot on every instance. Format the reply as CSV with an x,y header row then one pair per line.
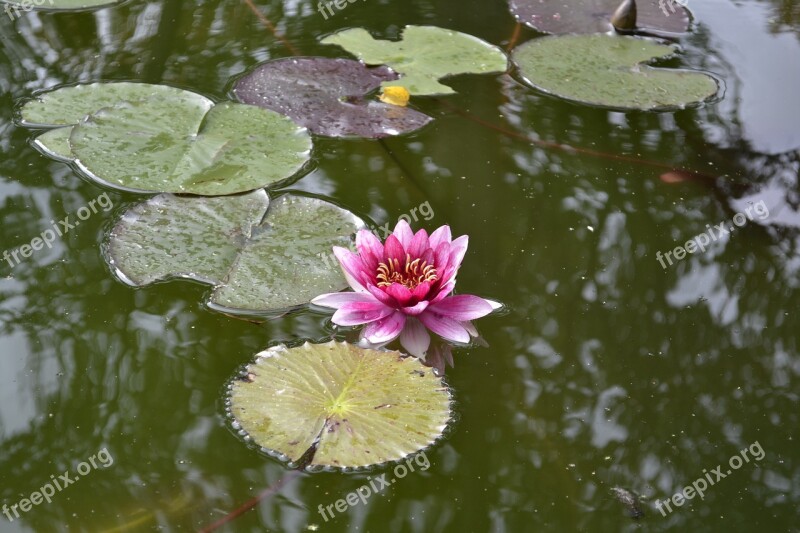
x,y
423,56
610,71
337,405
262,257
152,138
328,96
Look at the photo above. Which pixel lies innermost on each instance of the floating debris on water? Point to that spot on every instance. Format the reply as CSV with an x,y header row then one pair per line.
x,y
630,501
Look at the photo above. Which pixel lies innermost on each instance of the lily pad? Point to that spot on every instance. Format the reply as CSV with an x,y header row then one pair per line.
x,y
594,16
423,56
55,143
56,5
69,105
261,257
606,70
327,96
338,405
150,138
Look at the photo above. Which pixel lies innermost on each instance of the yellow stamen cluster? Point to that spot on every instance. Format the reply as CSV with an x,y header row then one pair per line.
x,y
411,275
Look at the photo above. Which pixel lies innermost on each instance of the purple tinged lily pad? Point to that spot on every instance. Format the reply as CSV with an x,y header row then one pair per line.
x,y
594,16
327,96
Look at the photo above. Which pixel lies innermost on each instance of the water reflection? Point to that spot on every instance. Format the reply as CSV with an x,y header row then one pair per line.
x,y
607,371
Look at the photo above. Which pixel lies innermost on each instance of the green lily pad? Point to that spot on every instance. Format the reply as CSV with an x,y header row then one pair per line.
x,y
69,105
594,16
55,5
55,143
424,55
338,405
150,138
261,257
606,70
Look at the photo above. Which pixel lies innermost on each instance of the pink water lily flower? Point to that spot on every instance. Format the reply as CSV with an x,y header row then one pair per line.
x,y
402,288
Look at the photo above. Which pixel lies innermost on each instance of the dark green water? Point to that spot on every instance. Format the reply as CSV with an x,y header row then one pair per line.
x,y
607,370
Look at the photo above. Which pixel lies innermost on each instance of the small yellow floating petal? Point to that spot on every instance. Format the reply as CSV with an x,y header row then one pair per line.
x,y
395,96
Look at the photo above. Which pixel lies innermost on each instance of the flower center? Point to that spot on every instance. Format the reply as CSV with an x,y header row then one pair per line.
x,y
411,275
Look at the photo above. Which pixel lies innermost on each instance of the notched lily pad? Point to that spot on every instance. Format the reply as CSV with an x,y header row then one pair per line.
x,y
606,70
328,96
424,55
69,105
151,138
338,405
594,16
261,257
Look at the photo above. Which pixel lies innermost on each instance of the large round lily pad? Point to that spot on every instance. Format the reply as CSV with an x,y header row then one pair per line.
x,y
151,138
328,96
424,55
338,405
594,16
261,257
606,70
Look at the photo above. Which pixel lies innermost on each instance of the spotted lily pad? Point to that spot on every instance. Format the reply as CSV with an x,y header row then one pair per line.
x,y
606,70
594,16
424,55
328,96
151,138
65,107
261,257
53,5
338,405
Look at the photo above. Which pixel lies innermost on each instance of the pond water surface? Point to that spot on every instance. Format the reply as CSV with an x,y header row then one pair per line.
x,y
606,371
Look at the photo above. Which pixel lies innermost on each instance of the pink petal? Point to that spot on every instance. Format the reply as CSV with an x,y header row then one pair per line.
x,y
418,244
441,258
415,338
495,305
457,250
472,330
356,313
370,249
428,256
403,233
449,274
421,290
462,307
382,296
400,293
439,236
335,300
415,309
385,329
392,249
352,267
446,289
447,328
